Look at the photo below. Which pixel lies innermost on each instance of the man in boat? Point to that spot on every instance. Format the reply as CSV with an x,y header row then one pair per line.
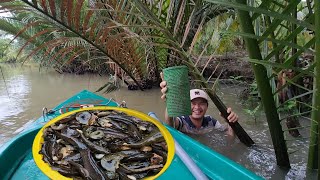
x,y
198,122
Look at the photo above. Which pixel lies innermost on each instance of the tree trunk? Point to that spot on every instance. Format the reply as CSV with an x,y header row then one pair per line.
x,y
265,91
313,156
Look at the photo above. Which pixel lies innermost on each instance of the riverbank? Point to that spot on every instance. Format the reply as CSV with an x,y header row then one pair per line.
x,y
227,66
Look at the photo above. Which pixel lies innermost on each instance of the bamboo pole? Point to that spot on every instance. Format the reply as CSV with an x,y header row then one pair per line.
x,y
237,128
264,90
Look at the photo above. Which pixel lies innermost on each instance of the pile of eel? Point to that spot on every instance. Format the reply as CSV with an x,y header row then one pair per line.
x,y
104,145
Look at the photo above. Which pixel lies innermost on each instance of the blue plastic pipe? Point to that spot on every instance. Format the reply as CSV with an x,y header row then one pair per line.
x,y
186,159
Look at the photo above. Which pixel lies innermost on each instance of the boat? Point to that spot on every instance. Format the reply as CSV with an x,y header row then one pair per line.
x,y
17,162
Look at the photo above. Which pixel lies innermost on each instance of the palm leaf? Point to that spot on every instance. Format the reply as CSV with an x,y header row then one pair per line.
x,y
101,44
63,9
25,28
69,12
32,39
43,4
108,87
75,55
268,12
77,12
52,8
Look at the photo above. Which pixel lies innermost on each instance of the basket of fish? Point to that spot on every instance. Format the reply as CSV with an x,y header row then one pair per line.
x,y
103,143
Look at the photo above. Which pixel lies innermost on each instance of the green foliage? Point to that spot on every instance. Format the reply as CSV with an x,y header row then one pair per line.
x,y
3,47
108,87
252,100
254,89
288,106
304,37
212,37
253,112
8,52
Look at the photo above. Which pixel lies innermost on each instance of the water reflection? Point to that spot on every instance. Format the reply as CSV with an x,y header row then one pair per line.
x,y
14,91
27,91
12,97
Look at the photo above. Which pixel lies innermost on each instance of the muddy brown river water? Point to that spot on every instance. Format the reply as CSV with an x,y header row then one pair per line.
x,y
25,90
